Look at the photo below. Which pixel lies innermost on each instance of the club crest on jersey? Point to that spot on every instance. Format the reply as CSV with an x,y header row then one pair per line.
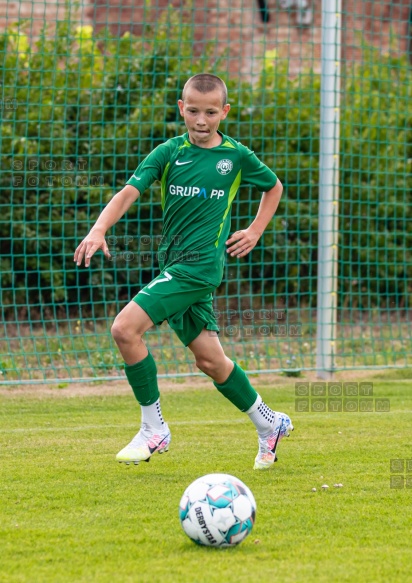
x,y
224,166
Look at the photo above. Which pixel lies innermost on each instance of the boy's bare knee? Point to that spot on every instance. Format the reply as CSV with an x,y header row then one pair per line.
x,y
122,332
207,366
117,331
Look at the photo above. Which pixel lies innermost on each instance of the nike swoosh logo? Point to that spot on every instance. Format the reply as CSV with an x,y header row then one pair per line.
x,y
277,439
183,163
153,449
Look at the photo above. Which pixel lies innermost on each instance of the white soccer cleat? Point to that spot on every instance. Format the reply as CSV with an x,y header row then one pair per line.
x,y
144,444
267,445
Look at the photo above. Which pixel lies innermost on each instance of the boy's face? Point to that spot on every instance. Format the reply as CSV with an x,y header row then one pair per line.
x,y
203,113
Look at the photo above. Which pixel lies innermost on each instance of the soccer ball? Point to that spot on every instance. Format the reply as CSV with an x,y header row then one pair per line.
x,y
217,510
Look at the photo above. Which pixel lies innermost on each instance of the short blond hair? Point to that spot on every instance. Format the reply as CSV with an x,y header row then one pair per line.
x,y
205,83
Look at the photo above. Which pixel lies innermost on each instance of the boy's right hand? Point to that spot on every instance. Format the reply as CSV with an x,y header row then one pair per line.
x,y
93,242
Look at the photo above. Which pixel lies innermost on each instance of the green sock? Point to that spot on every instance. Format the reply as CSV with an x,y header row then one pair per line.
x,y
238,389
142,377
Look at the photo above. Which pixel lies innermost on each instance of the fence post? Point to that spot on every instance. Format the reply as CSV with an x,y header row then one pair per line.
x,y
328,187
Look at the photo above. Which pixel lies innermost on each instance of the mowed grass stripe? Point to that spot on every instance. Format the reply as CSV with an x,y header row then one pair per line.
x,y
119,426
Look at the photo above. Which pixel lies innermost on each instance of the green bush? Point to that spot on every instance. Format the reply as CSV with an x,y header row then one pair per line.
x,y
88,108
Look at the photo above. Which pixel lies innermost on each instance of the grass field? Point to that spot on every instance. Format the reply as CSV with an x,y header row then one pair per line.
x,y
70,513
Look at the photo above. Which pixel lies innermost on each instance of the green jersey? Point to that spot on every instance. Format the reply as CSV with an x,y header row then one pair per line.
x,y
198,186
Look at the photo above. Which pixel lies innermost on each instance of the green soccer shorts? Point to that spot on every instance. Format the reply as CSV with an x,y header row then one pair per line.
x,y
184,301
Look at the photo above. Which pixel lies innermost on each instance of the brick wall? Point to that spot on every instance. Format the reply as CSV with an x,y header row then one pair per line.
x,y
37,13
237,25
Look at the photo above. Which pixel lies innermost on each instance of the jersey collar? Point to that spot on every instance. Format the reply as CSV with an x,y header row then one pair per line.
x,y
225,143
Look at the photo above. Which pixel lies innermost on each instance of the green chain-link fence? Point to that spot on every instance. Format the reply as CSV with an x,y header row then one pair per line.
x,y
87,91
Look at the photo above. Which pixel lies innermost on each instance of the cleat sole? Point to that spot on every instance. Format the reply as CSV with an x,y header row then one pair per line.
x,y
264,468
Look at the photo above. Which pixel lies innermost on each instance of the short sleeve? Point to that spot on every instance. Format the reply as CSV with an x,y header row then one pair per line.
x,y
151,168
255,172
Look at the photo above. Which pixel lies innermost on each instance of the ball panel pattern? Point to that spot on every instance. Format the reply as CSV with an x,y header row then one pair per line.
x,y
217,510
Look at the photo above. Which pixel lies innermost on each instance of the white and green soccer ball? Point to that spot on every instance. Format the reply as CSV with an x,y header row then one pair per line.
x,y
217,510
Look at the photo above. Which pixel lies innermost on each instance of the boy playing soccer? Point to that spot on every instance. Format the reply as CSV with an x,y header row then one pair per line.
x,y
200,174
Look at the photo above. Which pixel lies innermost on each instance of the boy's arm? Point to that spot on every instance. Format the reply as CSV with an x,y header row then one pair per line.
x,y
115,209
242,242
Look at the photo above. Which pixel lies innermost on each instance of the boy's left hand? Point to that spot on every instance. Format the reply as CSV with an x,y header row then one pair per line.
x,y
242,242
